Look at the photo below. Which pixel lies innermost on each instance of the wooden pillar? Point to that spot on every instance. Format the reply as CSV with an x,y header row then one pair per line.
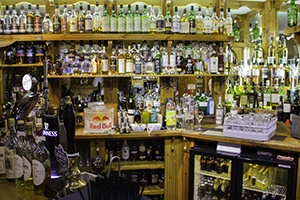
x,y
269,23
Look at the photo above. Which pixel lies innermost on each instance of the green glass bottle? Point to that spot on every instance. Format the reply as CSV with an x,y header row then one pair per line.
x,y
267,96
252,96
229,96
244,96
256,32
292,14
168,21
192,21
236,30
237,94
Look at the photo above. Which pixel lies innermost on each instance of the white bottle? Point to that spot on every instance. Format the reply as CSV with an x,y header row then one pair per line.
x,y
125,150
219,112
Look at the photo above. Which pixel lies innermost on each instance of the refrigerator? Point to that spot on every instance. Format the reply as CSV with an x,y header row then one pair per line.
x,y
252,174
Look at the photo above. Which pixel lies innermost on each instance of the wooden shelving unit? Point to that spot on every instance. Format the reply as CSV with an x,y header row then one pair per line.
x,y
22,65
153,190
138,165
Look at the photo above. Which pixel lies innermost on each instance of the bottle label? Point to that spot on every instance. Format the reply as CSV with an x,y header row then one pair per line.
x,y
113,24
185,27
125,153
137,24
255,72
37,25
234,111
165,60
10,164
172,60
26,168
81,24
203,104
121,25
29,26
200,26
275,98
2,160
64,24
207,26
228,98
129,66
267,99
152,25
121,64
192,27
176,26
145,24
18,166
105,24
104,63
56,25
46,27
129,25
214,64
244,100
157,66
149,67
96,23
211,107
286,108
160,24
171,118
22,25
38,172
88,25
219,115
229,28
138,67
73,25
154,178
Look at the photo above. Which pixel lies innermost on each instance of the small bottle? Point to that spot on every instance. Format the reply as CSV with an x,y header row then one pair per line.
x,y
64,19
97,19
125,151
219,112
88,21
176,21
56,20
73,26
29,20
41,167
81,20
47,25
37,21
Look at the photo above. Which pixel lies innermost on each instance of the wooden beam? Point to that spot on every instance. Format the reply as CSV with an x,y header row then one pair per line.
x,y
251,5
278,3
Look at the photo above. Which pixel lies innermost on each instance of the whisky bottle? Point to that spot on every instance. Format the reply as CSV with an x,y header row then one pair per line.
x,y
113,20
137,20
292,14
149,151
228,23
73,21
275,96
7,22
145,20
133,152
176,22
41,167
64,20
138,62
19,153
192,21
56,21
271,53
1,23
259,103
221,23
10,151
152,19
81,20
129,61
280,109
252,97
221,59
214,63
168,21
97,19
158,153
88,20
229,96
14,21
22,21
37,21
214,22
199,22
113,63
104,61
184,23
121,62
29,20
219,112
121,20
105,20
142,151
267,96
160,22
207,22
129,20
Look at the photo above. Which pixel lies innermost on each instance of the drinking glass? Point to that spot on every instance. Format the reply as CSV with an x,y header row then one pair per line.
x,y
199,118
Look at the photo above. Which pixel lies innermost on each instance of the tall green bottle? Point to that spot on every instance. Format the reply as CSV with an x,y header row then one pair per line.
x,y
292,14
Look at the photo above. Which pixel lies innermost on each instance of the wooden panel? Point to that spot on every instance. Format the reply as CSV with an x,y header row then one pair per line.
x,y
1,89
54,92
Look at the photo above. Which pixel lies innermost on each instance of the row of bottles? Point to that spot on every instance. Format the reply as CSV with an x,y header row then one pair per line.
x,y
213,188
218,165
184,58
136,19
25,160
255,195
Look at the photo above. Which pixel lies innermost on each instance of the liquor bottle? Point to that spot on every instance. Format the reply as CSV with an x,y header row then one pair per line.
x,y
64,19
1,23
105,20
145,20
154,177
113,20
244,101
234,108
214,63
292,14
158,152
81,19
192,21
145,116
252,97
56,21
176,22
133,152
170,115
251,39
10,151
267,96
149,152
228,23
236,30
19,153
14,20
214,22
104,61
152,19
73,21
29,20
221,59
156,100
215,190
287,104
97,19
271,53
137,20
190,65
199,22
157,62
137,116
160,22
47,24
138,62
168,21
121,62
129,61
30,58
41,167
3,141
256,32
280,109
237,94
228,97
22,21
184,23
125,151
219,112
221,23
27,156
129,20
144,179
7,22
284,52
88,21
275,96
37,21
260,53
121,20
153,115
20,53
259,103
203,103
142,151
295,105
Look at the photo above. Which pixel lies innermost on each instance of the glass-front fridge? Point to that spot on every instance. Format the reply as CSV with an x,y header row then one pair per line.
x,y
211,174
265,175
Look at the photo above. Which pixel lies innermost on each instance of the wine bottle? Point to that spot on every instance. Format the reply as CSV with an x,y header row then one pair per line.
x,y
287,107
69,123
125,150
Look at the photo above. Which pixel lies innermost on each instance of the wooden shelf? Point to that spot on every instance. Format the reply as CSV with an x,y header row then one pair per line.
x,y
22,65
153,190
137,165
117,36
139,75
292,30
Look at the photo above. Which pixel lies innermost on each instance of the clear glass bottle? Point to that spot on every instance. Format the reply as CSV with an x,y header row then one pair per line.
x,y
104,61
271,59
47,25
97,19
228,23
214,22
86,65
41,167
222,23
73,21
267,96
14,21
29,17
199,22
105,20
129,61
88,21
138,62
170,115
7,21
221,59
56,20
22,21
145,20
113,63
168,21
113,20
160,22
152,19
37,21
19,175
64,19
81,19
207,22
137,20
214,61
10,151
121,62
184,23
129,20
121,20
176,21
